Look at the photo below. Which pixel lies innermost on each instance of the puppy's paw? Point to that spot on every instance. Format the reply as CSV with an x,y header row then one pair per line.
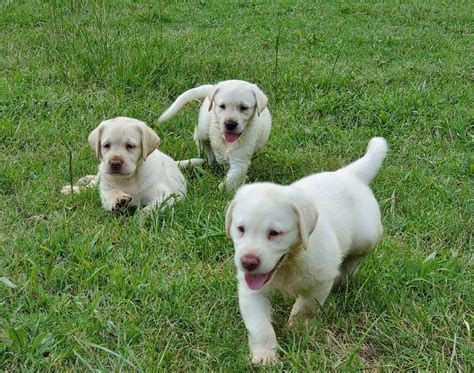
x,y
265,357
122,203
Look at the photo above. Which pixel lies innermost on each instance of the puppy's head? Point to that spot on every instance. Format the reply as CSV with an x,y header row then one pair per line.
x,y
235,103
266,221
122,144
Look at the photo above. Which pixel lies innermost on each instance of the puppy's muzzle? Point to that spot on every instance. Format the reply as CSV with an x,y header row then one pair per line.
x,y
250,262
230,125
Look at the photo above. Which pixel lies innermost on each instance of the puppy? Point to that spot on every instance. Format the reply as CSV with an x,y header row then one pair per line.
x,y
234,123
301,240
132,171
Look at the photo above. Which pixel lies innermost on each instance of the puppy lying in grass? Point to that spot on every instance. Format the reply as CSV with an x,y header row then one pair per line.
x,y
301,240
132,171
234,123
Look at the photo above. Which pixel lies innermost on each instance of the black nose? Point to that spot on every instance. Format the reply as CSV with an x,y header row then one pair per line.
x,y
250,262
115,164
230,125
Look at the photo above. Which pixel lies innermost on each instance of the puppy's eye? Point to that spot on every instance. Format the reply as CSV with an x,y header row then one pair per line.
x,y
130,146
273,233
243,107
106,146
241,229
222,106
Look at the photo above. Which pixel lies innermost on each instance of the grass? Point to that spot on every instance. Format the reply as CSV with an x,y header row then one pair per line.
x,y
83,289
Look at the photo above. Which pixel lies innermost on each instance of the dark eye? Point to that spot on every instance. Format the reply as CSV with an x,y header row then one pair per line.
x,y
106,146
243,107
241,229
130,146
273,233
222,106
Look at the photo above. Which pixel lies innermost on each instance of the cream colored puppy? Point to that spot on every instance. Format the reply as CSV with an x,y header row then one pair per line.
x,y
234,123
301,240
132,171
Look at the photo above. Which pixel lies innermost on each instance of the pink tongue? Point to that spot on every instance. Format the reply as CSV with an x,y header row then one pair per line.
x,y
255,282
230,137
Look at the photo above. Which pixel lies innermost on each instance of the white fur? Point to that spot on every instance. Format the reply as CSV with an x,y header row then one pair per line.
x,y
326,224
234,100
147,177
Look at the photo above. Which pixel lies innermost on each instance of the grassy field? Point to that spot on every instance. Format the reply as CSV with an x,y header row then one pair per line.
x,y
84,289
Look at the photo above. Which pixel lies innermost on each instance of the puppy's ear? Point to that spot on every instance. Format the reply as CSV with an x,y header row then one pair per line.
x,y
228,218
211,96
150,141
94,140
260,97
307,216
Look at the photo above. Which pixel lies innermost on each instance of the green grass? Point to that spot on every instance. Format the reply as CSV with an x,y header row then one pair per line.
x,y
99,291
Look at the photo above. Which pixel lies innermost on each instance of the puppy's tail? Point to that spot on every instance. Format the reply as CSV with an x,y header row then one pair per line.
x,y
185,163
367,167
197,93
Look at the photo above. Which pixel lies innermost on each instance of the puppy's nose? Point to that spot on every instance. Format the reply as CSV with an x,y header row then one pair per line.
x,y
250,262
115,164
230,125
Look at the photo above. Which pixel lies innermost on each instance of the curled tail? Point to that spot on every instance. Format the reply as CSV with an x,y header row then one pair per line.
x,y
197,93
366,168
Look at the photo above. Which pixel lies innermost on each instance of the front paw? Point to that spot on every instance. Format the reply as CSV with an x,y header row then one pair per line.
x,y
122,203
265,357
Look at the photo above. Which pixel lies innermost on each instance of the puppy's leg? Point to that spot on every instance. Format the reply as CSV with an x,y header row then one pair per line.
x,y
309,304
256,313
305,305
236,175
349,268
115,200
167,198
204,144
207,149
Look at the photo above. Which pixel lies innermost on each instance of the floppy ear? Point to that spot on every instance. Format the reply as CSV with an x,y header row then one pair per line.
x,y
94,140
307,216
260,97
228,217
150,141
211,95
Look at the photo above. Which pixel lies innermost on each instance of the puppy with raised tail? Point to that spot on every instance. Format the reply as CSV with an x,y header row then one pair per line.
x,y
132,171
301,240
234,123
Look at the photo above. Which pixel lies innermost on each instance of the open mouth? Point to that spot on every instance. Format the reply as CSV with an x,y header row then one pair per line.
x,y
256,281
231,137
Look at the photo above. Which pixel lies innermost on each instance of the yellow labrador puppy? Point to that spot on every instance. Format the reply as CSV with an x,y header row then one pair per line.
x,y
132,171
234,123
301,240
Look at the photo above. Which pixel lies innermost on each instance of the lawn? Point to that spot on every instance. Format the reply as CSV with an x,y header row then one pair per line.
x,y
83,289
